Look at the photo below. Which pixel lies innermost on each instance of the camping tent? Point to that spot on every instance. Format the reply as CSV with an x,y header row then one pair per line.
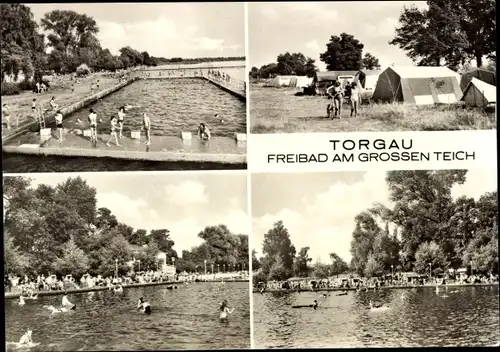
x,y
303,81
483,75
479,93
284,81
323,80
418,85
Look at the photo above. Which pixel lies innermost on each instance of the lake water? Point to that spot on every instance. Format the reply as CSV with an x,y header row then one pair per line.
x,y
185,318
173,105
469,316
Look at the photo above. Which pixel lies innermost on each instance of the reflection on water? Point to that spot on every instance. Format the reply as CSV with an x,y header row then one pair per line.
x,y
185,318
173,105
468,316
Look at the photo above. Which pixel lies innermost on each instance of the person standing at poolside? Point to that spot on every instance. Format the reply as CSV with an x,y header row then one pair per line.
x,y
203,132
354,98
121,117
33,109
146,125
113,128
6,116
59,117
93,126
53,104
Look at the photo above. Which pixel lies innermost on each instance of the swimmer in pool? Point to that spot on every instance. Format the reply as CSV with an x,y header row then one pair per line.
x,y
144,306
26,338
224,310
203,132
146,125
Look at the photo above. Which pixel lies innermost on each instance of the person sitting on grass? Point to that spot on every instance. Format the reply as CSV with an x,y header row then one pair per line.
x,y
203,132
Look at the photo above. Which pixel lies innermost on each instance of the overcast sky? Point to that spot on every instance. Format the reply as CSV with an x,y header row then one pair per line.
x,y
318,209
306,27
167,30
185,203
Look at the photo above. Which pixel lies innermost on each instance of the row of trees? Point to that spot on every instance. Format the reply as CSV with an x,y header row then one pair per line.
x,y
430,229
71,41
60,230
280,260
198,60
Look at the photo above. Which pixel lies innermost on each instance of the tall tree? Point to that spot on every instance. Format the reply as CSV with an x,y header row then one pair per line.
x,y
363,238
370,62
295,64
163,241
338,266
277,244
300,265
343,53
429,256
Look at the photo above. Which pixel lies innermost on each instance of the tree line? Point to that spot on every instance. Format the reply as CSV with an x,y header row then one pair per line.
x,y
448,33
280,260
426,229
181,60
60,230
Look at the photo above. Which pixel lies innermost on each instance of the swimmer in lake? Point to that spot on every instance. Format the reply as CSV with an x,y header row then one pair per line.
x,y
203,132
218,118
66,303
315,305
144,306
224,310
26,339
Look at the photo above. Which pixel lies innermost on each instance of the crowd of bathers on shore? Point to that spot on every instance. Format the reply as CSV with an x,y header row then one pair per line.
x,y
349,282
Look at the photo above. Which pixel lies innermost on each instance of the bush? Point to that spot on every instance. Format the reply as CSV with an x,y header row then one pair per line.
x,y
82,70
10,88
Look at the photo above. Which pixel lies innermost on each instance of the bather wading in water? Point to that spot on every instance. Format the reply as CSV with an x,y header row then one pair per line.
x,y
224,310
144,307
203,132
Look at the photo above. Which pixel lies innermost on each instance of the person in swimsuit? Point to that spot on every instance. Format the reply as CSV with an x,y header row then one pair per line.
x,y
33,108
53,103
315,304
224,310
203,132
146,125
59,118
113,128
26,338
144,306
121,117
6,116
335,91
93,126
354,98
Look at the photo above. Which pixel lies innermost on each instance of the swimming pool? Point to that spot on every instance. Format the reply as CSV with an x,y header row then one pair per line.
x,y
173,105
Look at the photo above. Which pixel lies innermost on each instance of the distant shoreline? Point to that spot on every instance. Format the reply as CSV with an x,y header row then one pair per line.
x,y
9,295
284,290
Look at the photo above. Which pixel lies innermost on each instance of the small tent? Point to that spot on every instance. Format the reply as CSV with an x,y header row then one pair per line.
x,y
479,93
419,85
284,81
483,75
367,81
303,81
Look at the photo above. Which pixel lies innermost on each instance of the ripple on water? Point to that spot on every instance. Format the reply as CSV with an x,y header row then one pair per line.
x,y
185,318
419,318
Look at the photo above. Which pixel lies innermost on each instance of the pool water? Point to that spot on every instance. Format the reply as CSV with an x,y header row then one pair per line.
x,y
173,105
186,318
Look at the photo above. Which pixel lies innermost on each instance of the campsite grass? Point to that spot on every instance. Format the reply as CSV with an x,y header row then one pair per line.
x,y
278,110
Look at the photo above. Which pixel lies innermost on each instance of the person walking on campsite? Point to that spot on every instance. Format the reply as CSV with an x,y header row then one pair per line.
x,y
355,99
335,93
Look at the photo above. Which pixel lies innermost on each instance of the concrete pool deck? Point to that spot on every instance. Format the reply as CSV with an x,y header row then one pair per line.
x,y
10,295
222,150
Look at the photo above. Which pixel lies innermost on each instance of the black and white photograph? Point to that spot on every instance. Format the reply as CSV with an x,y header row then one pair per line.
x,y
375,259
123,87
129,261
373,66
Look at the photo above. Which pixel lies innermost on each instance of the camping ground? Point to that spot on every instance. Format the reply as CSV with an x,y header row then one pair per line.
x,y
279,110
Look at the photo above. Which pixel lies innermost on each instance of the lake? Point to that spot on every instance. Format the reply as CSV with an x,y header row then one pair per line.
x,y
418,317
173,105
186,318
